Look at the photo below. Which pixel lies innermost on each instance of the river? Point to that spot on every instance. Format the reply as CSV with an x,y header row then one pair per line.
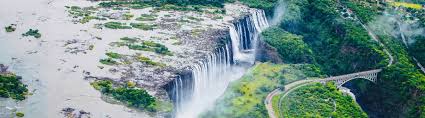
x,y
54,77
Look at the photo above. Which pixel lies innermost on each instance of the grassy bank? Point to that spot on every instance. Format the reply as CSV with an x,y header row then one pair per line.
x,y
132,96
318,100
244,98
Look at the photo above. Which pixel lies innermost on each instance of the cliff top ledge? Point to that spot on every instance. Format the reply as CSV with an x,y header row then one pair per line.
x,y
151,45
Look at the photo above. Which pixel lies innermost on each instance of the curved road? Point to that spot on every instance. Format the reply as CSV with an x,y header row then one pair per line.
x,y
269,104
289,87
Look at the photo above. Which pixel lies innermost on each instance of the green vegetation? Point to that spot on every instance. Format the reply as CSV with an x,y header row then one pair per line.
x,y
117,25
267,5
317,100
20,114
418,49
401,85
151,46
244,98
143,26
12,87
366,12
129,40
117,4
180,5
407,5
132,96
149,61
147,17
108,61
77,11
87,19
340,46
275,105
32,32
128,16
114,55
84,14
10,28
291,47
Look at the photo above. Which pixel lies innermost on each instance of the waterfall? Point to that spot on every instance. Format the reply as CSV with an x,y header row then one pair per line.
x,y
194,93
244,35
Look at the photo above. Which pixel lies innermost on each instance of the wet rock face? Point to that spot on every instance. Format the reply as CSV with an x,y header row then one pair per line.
x,y
267,53
3,68
206,40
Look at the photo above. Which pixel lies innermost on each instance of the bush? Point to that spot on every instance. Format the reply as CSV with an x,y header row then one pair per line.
x,y
365,12
291,47
116,25
149,61
108,61
143,26
87,19
20,114
147,17
11,86
105,86
130,40
132,96
149,46
128,16
32,32
10,28
114,55
138,98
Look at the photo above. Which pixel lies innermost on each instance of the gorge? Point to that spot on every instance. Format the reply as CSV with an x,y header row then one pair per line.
x,y
211,58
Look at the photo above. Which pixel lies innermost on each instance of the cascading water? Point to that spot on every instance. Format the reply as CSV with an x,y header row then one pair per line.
x,y
244,35
209,78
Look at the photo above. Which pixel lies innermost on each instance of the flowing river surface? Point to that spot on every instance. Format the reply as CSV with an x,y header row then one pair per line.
x,y
54,77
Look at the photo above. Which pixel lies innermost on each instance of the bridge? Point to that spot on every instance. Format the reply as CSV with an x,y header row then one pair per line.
x,y
371,75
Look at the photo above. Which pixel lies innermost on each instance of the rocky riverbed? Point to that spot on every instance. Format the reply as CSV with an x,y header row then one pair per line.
x,y
59,66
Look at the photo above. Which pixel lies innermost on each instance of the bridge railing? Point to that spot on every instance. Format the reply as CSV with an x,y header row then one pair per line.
x,y
348,76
